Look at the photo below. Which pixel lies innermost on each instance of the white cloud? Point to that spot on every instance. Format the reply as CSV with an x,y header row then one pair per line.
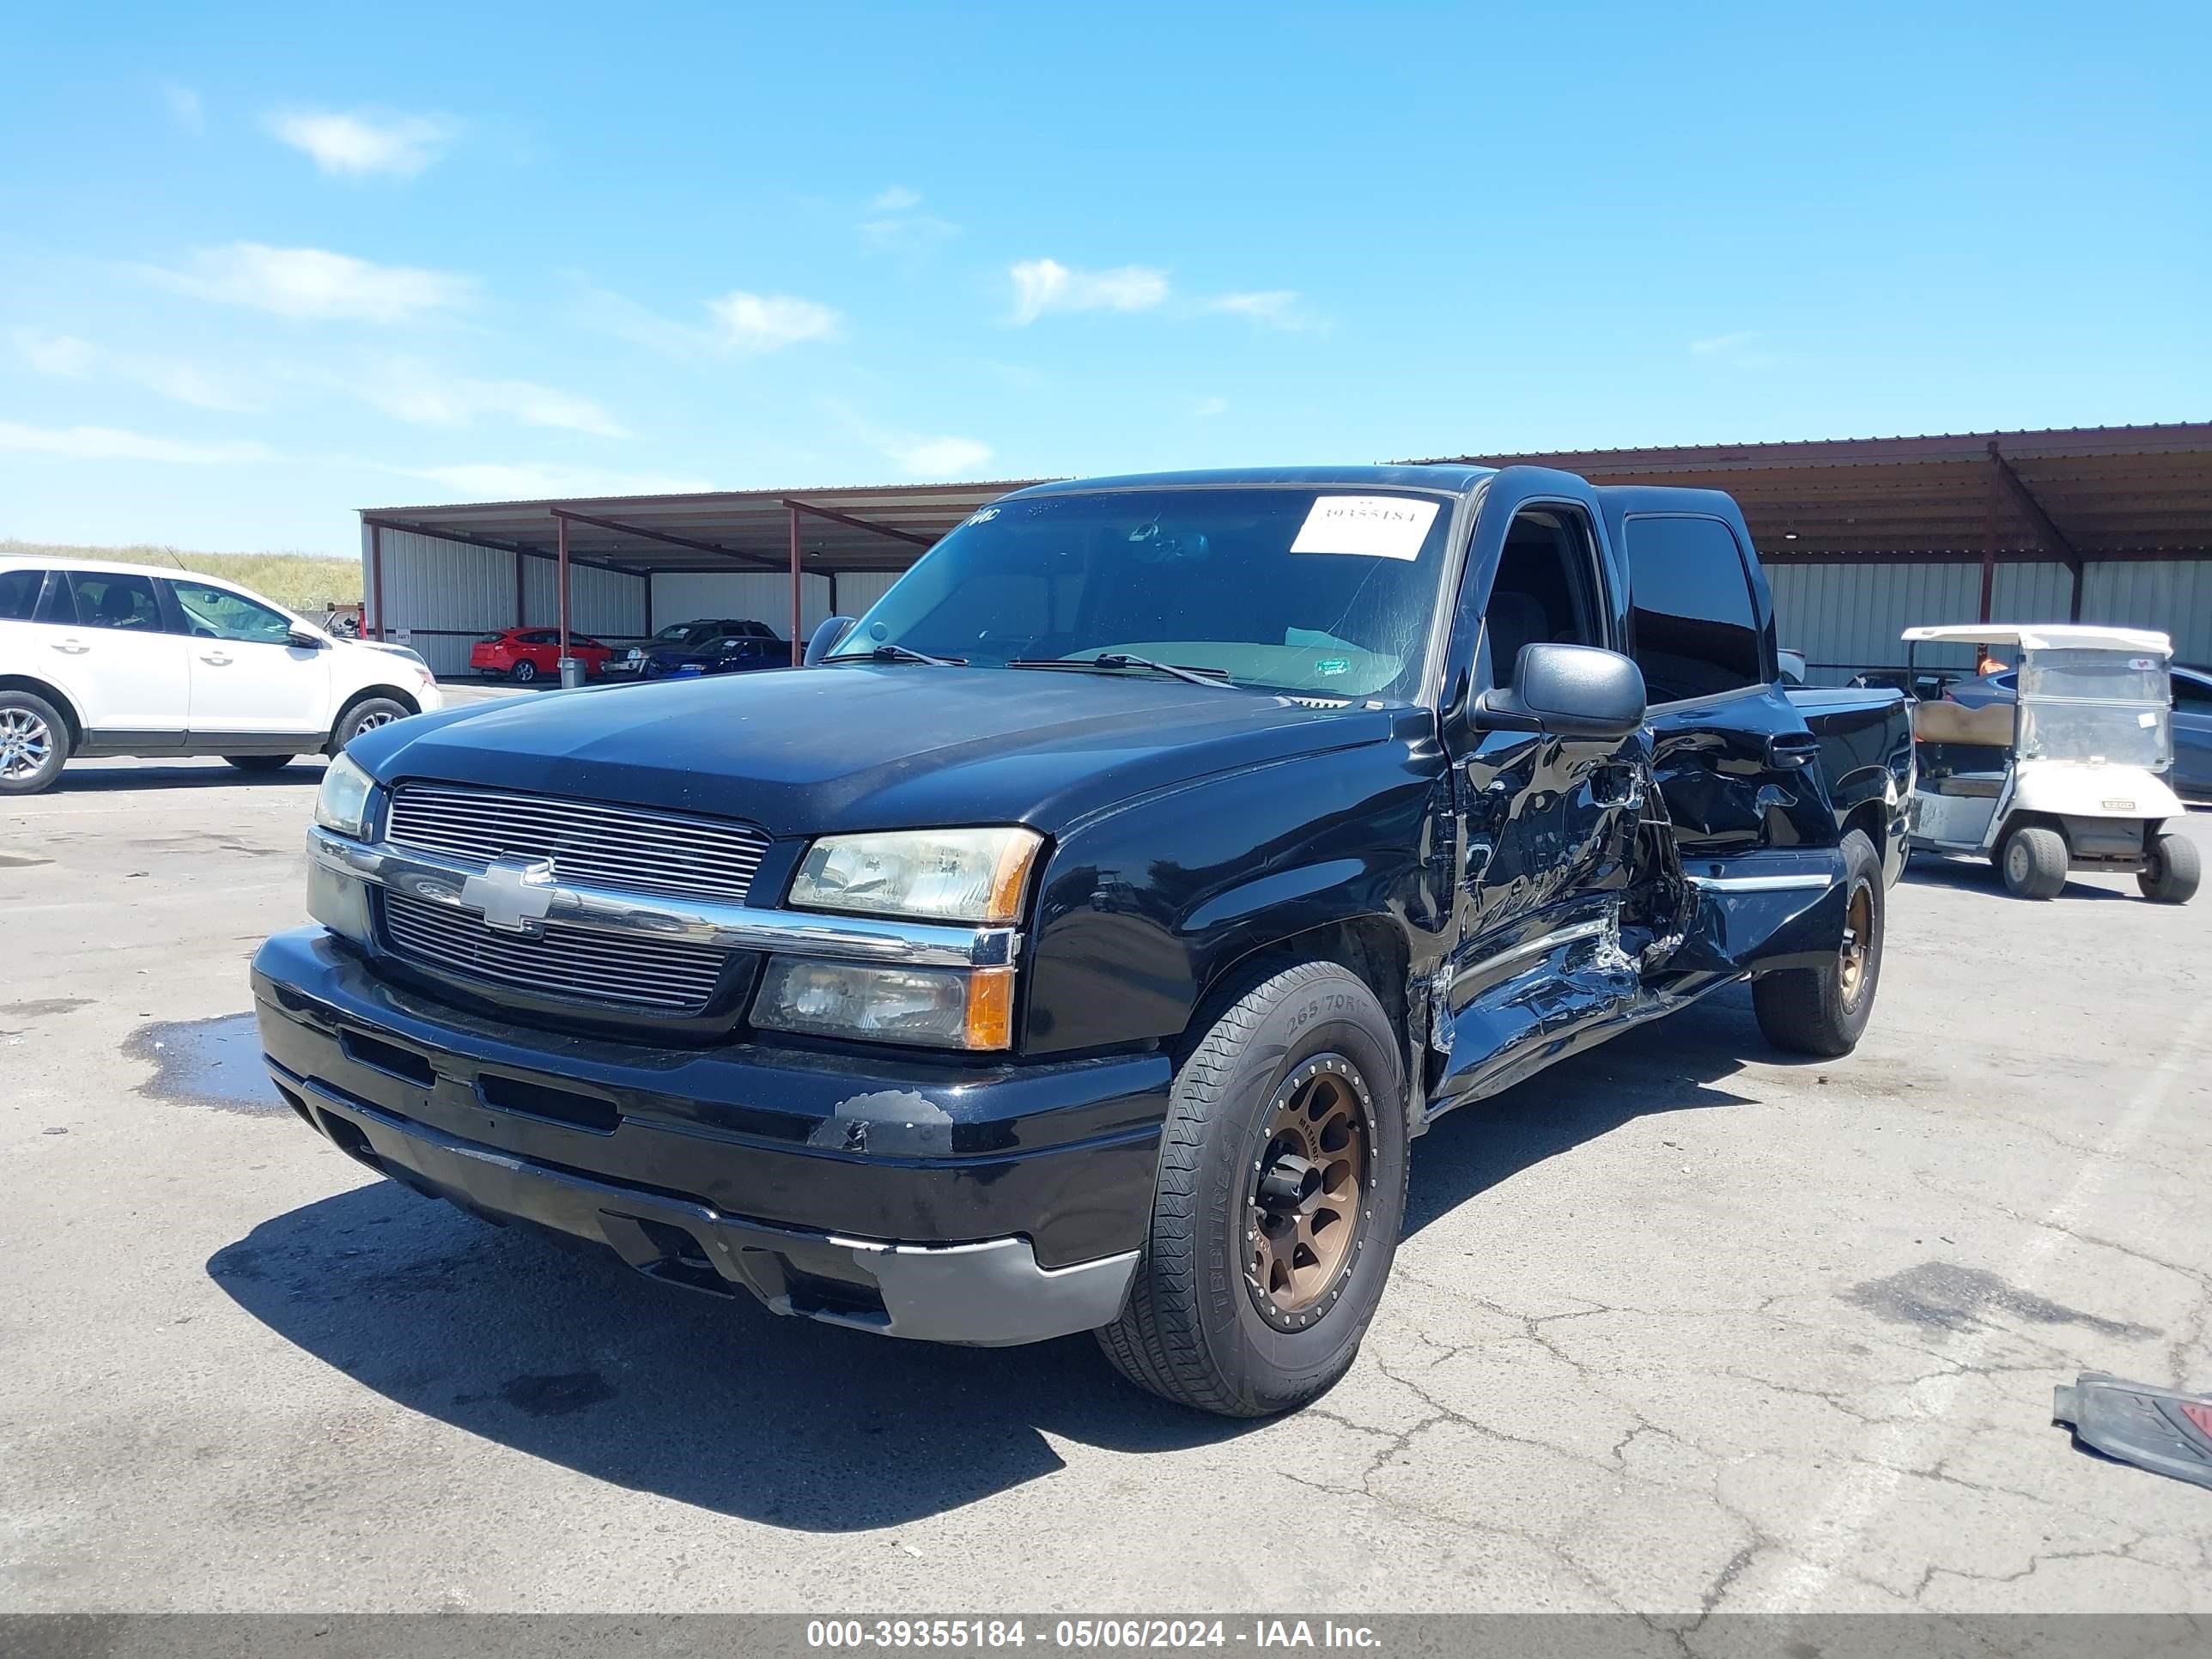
x,y
898,229
937,457
1042,285
1722,343
362,143
184,106
1274,308
65,355
1206,408
57,354
769,322
108,443
530,481
311,282
409,390
1738,350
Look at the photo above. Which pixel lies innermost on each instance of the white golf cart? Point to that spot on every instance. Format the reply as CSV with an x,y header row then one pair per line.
x,y
2064,769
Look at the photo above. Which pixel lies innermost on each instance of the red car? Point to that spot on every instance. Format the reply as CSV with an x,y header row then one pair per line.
x,y
524,653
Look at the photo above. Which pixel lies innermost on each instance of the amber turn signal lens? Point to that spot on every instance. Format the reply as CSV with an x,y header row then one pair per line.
x,y
991,1007
1011,877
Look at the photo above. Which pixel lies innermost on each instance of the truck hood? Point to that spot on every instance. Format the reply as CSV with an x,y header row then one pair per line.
x,y
815,751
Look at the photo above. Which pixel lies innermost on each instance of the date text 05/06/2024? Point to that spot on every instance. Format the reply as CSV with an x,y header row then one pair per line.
x,y
1134,1634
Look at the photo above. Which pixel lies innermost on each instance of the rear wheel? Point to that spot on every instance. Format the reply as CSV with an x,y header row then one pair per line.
x,y
1281,1190
2173,873
2033,860
525,672
33,744
1822,1011
260,762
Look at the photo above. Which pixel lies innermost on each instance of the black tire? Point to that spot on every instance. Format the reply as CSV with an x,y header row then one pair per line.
x,y
1822,1011
2032,861
2174,870
366,716
1192,1330
524,672
34,744
260,762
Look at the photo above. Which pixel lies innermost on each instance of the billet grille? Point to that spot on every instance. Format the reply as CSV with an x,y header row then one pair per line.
x,y
591,843
655,975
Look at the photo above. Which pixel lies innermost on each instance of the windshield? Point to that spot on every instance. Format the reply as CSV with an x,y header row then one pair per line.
x,y
2108,706
1322,592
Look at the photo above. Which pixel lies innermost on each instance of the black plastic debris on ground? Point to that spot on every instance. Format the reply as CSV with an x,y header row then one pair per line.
x,y
2155,1429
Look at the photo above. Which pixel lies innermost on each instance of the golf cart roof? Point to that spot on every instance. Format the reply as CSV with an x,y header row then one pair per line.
x,y
2045,637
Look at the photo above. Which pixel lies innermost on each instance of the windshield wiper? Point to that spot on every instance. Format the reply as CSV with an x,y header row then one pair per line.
x,y
1216,677
896,654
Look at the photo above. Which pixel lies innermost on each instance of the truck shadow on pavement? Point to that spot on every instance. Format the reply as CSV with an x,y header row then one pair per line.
x,y
90,778
560,1353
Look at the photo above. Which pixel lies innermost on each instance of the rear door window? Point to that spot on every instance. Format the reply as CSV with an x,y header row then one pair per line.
x,y
110,599
1693,630
19,594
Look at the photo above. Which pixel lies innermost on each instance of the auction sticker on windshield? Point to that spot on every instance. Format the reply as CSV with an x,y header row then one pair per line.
x,y
1373,526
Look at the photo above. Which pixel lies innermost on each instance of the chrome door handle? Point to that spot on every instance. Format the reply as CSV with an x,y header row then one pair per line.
x,y
74,647
215,657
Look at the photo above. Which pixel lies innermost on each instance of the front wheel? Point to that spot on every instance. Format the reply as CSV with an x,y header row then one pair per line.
x,y
2173,873
2033,860
1822,1011
1280,1194
366,716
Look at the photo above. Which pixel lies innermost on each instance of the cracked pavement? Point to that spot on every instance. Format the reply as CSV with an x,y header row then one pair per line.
x,y
1678,1327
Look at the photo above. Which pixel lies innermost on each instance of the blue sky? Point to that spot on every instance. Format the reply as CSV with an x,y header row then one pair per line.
x,y
260,267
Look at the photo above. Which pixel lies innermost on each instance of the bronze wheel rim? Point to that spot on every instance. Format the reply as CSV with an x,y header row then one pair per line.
x,y
1311,1192
1857,955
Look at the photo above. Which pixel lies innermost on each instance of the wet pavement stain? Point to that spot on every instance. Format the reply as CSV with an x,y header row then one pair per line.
x,y
556,1396
1951,1298
206,1062
43,1007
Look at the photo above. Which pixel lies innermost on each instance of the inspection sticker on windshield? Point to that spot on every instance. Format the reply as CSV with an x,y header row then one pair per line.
x,y
1373,526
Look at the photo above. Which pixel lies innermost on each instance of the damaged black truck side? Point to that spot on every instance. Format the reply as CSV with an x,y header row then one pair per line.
x,y
1084,940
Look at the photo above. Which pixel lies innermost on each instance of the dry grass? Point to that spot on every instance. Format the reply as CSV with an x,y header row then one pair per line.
x,y
298,581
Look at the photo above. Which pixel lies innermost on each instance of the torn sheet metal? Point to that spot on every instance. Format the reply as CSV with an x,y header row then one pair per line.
x,y
2155,1429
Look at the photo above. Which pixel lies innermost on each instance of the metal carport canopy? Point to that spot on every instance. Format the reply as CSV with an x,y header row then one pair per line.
x,y
825,531
2071,495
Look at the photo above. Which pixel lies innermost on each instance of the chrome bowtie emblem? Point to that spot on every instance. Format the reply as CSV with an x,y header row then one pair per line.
x,y
515,898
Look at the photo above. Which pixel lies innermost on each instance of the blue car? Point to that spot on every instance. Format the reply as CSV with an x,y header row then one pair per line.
x,y
745,647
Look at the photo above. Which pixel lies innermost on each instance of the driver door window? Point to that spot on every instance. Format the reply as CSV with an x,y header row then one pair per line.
x,y
1545,590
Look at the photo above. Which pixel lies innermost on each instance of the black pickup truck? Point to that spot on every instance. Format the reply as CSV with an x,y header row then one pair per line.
x,y
1082,940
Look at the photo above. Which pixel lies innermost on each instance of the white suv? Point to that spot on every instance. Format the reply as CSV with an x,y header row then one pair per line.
x,y
129,660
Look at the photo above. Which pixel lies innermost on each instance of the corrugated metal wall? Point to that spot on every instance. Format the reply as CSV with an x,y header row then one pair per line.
x,y
1847,616
763,595
859,589
439,596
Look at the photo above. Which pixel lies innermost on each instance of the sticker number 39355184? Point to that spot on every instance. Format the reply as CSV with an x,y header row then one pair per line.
x,y
1373,526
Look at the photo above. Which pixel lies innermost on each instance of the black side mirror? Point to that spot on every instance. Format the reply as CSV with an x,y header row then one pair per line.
x,y
1566,691
308,638
827,638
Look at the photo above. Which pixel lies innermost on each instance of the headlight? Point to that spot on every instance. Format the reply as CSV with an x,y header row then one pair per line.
x,y
342,803
931,1007
933,875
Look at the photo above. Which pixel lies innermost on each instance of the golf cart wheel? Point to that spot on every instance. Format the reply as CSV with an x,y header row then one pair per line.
x,y
1822,1011
34,742
259,762
2173,873
2033,861
1280,1192
524,672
